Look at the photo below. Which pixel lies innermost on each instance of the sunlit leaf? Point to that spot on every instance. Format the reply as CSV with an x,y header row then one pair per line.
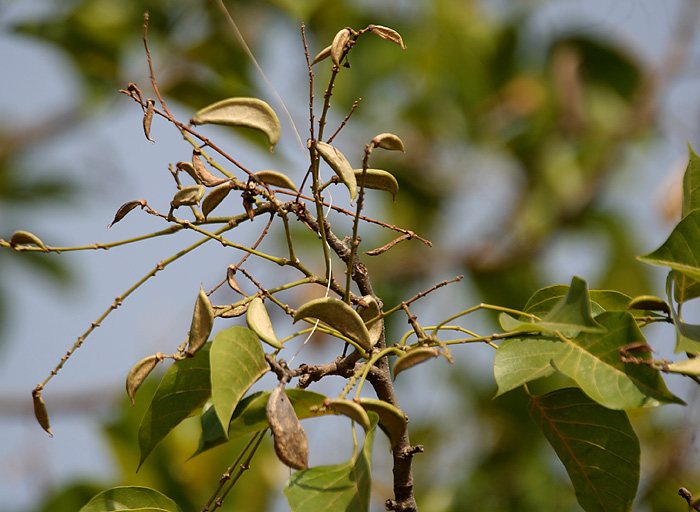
x,y
345,487
597,446
687,367
340,316
351,409
237,361
184,388
570,314
247,112
340,165
250,416
132,498
679,251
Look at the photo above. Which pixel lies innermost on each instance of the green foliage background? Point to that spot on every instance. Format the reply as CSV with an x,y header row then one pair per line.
x,y
484,107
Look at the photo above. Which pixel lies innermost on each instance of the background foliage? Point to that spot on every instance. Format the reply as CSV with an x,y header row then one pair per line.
x,y
514,139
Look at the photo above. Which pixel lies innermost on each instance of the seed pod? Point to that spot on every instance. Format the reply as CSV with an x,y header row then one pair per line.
x,y
206,178
368,312
377,179
188,196
338,46
231,278
352,410
139,372
340,316
391,420
388,33
388,141
649,302
247,112
259,321
340,165
202,322
124,209
413,357
322,55
291,444
230,311
26,238
148,118
40,411
215,197
275,179
189,169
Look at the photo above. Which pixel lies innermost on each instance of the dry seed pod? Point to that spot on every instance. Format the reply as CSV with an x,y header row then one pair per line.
x,y
139,372
148,118
391,420
651,303
388,33
338,46
188,196
352,410
40,411
368,312
340,165
248,112
413,357
291,444
230,311
259,322
202,322
215,197
26,238
275,179
377,179
231,278
206,178
322,55
388,141
340,316
189,169
124,209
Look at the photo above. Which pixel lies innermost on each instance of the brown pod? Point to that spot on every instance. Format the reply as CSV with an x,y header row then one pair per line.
x,y
148,118
138,374
40,411
291,444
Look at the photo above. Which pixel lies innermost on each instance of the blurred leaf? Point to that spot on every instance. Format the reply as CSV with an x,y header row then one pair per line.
x,y
137,499
597,446
237,362
183,389
337,487
677,252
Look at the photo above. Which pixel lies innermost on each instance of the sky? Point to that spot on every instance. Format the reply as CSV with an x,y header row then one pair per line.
x,y
45,321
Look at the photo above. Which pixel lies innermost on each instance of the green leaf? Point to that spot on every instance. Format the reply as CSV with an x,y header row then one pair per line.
x,y
340,316
237,362
246,112
569,315
681,251
250,416
597,446
340,166
184,388
520,360
688,335
345,487
691,184
593,361
391,420
141,499
259,321
377,179
687,367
